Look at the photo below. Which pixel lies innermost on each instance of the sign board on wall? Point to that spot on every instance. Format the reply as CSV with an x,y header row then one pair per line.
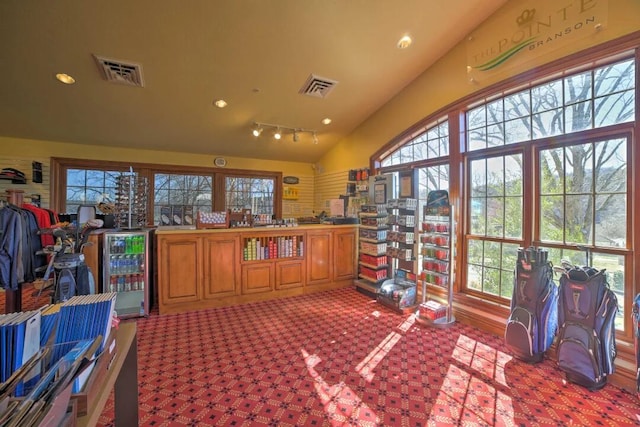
x,y
381,188
291,180
525,29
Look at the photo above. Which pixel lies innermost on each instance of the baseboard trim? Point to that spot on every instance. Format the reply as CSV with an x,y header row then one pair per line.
x,y
493,320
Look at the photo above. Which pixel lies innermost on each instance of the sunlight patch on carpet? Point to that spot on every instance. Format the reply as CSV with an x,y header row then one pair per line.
x,y
369,363
341,404
469,387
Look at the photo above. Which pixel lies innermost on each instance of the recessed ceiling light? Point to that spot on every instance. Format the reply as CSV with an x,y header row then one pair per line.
x,y
404,42
326,121
220,103
65,78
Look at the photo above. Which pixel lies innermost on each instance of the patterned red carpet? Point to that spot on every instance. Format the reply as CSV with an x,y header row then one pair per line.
x,y
340,359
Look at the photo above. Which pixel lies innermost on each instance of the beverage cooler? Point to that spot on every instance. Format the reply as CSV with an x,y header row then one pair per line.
x,y
127,270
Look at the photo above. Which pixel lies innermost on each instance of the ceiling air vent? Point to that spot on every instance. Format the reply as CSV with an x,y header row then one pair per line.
x,y
319,87
120,72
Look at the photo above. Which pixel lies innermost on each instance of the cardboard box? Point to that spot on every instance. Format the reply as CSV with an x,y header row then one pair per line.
x,y
432,310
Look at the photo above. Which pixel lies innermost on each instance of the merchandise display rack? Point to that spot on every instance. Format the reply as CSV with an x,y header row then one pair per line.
x,y
357,190
399,291
373,263
132,193
437,239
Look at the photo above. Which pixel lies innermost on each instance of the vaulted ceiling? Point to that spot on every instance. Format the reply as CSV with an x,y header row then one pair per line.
x,y
254,54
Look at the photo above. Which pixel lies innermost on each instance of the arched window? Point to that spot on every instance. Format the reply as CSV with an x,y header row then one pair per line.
x,y
545,162
577,180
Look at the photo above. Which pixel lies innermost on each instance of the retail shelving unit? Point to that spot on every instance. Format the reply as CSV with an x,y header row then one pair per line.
x,y
437,260
399,291
373,263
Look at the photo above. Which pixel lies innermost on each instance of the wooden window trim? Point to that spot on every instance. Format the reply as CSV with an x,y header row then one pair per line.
x,y
59,165
220,187
615,50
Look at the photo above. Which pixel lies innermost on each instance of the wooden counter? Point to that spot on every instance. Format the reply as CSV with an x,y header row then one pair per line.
x,y
199,269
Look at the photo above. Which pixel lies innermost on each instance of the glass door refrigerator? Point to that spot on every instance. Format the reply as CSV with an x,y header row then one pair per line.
x,y
127,270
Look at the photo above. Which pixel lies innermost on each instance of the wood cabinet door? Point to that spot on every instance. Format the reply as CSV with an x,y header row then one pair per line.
x,y
344,254
178,275
319,257
221,267
289,274
257,277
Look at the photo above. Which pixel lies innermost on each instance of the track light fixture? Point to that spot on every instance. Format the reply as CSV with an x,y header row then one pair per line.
x,y
279,131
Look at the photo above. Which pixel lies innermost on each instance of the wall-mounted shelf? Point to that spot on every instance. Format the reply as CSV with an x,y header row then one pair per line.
x,y
14,180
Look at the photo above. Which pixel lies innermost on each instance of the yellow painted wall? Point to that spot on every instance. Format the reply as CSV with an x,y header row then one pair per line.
x,y
36,148
440,85
446,82
19,153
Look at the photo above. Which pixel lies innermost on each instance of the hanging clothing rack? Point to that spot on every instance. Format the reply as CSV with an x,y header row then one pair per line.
x,y
13,297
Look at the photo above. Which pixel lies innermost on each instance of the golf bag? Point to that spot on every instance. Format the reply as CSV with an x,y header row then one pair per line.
x,y
636,333
73,277
533,321
586,340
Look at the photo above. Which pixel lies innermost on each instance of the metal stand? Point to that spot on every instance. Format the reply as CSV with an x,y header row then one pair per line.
x,y
449,319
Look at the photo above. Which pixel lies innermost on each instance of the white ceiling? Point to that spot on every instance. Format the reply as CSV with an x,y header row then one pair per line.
x,y
256,54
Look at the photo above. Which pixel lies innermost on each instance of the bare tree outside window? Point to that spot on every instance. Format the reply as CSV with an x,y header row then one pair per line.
x,y
250,193
431,144
583,192
181,190
88,187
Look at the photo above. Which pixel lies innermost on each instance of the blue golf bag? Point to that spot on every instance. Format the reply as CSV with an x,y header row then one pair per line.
x,y
533,321
586,340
